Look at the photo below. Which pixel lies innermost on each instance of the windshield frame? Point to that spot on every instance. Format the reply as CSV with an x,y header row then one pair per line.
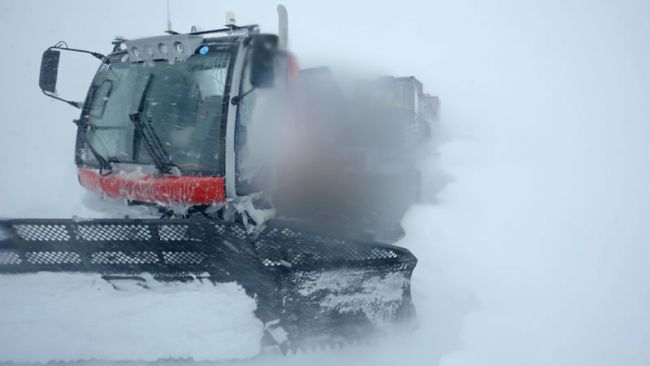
x,y
84,126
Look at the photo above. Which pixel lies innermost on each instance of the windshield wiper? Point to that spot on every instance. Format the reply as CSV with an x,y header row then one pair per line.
x,y
237,99
104,164
148,135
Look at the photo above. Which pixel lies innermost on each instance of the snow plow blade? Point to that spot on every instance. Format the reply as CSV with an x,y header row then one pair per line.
x,y
311,290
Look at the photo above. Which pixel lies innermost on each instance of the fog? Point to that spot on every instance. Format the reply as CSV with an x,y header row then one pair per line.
x,y
535,253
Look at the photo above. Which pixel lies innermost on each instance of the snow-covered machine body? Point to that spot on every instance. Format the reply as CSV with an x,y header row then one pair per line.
x,y
168,121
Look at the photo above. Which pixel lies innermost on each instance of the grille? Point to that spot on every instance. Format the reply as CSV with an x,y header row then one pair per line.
x,y
174,233
220,228
303,248
53,258
119,257
170,246
9,257
290,233
113,232
42,232
269,263
238,231
382,254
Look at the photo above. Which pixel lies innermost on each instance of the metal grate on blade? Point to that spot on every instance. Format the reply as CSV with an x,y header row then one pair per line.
x,y
183,257
119,257
42,232
116,232
9,257
269,263
175,233
382,254
220,228
309,248
352,253
328,255
239,232
290,233
53,257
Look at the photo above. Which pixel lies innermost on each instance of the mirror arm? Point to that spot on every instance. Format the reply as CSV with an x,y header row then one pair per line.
x,y
95,54
72,103
100,56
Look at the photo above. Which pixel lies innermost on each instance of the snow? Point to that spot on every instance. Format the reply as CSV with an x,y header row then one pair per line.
x,y
535,252
71,317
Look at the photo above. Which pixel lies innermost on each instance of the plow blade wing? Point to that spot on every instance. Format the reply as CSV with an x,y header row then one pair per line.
x,y
310,289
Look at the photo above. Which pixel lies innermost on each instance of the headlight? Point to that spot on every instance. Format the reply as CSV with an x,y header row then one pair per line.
x,y
179,47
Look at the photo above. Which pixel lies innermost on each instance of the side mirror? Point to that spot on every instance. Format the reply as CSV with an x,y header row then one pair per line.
x,y
50,67
49,70
264,50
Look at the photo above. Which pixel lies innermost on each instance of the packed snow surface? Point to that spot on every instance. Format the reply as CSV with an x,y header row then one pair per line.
x,y
68,317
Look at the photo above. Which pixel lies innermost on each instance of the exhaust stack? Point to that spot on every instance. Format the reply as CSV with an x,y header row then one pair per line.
x,y
283,27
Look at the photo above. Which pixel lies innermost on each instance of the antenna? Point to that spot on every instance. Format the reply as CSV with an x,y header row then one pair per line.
x,y
169,19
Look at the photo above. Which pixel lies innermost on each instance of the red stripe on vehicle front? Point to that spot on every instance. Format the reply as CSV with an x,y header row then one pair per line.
x,y
188,190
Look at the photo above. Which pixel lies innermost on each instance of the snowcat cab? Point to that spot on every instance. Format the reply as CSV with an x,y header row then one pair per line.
x,y
167,119
163,118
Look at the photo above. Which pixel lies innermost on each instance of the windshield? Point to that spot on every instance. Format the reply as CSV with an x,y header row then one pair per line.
x,y
184,104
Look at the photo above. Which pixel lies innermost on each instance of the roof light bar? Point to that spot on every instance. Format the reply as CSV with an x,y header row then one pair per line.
x,y
178,47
